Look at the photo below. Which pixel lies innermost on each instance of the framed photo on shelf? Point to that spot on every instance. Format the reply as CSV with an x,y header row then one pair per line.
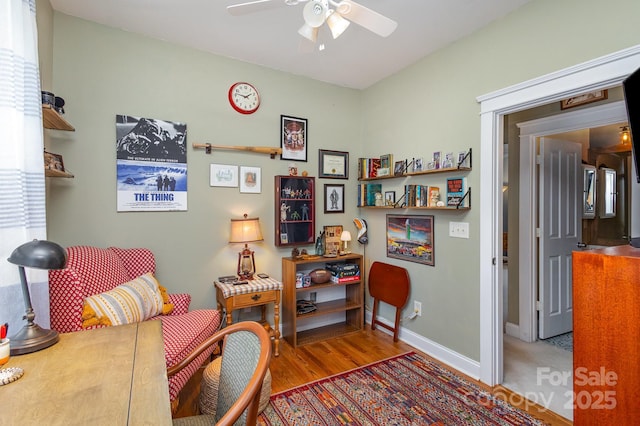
x,y
250,180
333,164
410,237
53,162
223,175
293,134
333,198
389,198
332,240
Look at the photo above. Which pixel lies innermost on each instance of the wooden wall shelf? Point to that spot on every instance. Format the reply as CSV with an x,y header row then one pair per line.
x,y
57,173
52,120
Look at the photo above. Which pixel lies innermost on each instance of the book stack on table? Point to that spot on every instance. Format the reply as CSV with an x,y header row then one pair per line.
x,y
343,272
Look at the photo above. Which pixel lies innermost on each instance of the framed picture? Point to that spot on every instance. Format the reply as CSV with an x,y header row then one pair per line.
x,y
53,162
250,180
223,175
333,164
293,133
332,240
410,237
399,167
417,165
587,98
333,198
390,198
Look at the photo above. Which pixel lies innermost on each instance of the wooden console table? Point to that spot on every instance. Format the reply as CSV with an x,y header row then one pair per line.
x,y
257,292
113,375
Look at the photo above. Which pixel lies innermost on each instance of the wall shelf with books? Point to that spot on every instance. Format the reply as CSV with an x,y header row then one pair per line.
x,y
455,195
369,168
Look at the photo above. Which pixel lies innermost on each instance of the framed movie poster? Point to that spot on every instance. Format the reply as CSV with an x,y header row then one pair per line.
x,y
410,237
293,138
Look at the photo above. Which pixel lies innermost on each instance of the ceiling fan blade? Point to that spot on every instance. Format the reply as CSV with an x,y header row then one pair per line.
x,y
367,18
254,6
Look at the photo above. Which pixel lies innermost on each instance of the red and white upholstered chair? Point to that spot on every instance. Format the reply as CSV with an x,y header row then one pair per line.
x,y
92,271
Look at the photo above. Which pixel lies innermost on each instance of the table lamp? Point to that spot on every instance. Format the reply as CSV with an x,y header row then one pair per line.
x,y
245,231
38,254
345,237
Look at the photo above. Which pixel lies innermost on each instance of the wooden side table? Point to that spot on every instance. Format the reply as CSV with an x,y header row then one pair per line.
x,y
257,292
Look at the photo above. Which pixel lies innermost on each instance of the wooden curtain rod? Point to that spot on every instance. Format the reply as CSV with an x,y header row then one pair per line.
x,y
259,149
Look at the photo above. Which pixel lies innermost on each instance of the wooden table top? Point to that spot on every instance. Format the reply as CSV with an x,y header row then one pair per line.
x,y
108,376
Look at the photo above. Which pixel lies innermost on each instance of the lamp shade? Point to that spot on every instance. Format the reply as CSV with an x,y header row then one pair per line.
x,y
245,230
308,32
40,254
337,24
314,13
345,236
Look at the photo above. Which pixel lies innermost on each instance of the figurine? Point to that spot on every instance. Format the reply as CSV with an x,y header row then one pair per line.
x,y
283,212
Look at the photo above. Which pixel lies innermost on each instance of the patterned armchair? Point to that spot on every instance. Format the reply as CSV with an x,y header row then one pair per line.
x,y
92,270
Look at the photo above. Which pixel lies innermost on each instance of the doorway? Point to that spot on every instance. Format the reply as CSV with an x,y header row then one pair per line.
x,y
601,73
527,240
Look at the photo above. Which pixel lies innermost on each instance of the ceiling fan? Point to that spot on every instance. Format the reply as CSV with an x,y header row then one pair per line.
x,y
337,14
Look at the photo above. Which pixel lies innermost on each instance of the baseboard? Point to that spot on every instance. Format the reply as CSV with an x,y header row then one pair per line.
x,y
512,329
447,356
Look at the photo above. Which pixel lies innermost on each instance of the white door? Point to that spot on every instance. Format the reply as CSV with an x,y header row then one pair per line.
x,y
560,231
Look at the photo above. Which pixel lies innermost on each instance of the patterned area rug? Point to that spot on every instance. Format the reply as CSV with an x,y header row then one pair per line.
x,y
404,390
564,341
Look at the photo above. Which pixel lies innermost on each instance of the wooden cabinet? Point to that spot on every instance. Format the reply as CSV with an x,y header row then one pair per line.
x,y
312,327
52,120
295,210
606,333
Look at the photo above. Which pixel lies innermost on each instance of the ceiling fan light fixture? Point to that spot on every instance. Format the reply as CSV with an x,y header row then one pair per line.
x,y
337,24
314,13
308,32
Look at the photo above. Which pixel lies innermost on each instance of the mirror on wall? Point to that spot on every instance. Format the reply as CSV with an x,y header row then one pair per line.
x,y
607,193
589,204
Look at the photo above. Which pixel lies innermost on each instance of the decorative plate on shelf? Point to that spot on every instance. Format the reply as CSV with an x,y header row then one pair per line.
x,y
8,375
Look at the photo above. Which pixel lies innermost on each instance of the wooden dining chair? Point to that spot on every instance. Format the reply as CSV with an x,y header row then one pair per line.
x,y
390,284
246,353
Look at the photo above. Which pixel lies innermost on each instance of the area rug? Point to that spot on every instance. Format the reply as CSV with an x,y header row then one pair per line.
x,y
564,341
404,390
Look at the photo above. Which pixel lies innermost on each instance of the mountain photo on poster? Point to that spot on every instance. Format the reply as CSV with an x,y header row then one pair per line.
x,y
456,189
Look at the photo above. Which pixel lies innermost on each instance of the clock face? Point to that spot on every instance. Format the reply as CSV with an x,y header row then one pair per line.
x,y
244,98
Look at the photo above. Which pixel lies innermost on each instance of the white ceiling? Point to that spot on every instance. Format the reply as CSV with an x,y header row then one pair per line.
x,y
358,59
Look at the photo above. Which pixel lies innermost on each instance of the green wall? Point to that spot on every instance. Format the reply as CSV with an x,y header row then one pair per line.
x,y
430,106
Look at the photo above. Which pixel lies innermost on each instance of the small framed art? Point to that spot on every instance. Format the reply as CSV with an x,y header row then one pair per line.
x,y
333,198
223,175
389,198
53,162
250,180
587,98
333,164
293,134
332,240
410,237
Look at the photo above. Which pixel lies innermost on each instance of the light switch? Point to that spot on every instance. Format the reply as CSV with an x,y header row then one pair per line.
x,y
459,229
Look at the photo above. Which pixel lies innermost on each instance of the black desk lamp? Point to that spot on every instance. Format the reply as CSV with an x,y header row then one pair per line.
x,y
41,255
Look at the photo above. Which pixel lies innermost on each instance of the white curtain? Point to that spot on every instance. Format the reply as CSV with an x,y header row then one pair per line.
x,y
22,182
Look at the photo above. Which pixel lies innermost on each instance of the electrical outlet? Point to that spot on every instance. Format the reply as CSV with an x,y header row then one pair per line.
x,y
312,296
417,308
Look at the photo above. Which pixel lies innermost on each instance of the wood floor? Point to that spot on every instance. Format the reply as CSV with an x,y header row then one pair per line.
x,y
307,363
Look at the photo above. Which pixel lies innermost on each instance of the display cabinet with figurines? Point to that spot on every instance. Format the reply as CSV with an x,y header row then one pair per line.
x,y
295,210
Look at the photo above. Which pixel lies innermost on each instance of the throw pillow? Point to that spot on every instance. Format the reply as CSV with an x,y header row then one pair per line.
x,y
133,301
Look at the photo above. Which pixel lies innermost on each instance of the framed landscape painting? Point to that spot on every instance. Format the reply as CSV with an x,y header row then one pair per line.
x,y
410,237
